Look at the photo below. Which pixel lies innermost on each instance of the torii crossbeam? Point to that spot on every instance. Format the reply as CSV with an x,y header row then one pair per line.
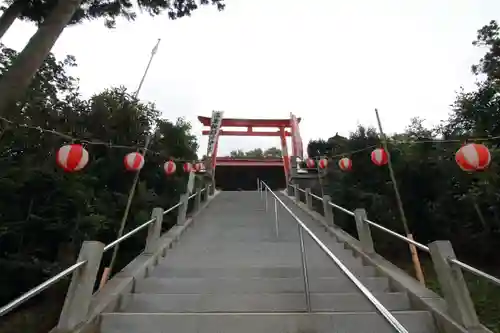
x,y
283,127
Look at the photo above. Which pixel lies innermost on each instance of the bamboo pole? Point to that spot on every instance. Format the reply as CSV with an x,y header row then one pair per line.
x,y
413,250
108,270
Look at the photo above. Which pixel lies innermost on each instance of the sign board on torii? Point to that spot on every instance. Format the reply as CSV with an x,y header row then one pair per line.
x,y
215,125
297,147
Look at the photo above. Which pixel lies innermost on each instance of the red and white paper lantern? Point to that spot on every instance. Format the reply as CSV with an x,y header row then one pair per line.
x,y
198,166
133,161
473,157
310,163
169,167
345,164
323,163
379,157
188,167
72,157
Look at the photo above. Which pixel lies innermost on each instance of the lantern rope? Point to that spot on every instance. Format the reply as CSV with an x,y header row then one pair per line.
x,y
400,142
73,139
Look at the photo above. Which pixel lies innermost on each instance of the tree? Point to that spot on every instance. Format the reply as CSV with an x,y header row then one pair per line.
x,y
255,153
14,83
237,154
10,14
37,11
441,201
46,213
489,65
273,152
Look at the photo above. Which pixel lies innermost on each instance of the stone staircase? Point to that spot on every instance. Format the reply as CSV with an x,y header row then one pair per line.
x,y
231,273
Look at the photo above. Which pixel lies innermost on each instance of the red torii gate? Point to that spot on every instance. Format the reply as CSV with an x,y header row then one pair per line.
x,y
283,126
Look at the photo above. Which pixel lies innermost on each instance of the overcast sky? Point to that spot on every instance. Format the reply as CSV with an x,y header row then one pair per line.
x,y
330,62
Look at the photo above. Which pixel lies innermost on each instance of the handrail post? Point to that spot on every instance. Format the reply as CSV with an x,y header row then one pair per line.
x,y
305,274
207,193
211,186
309,199
79,295
451,280
276,218
364,232
181,212
154,231
265,196
327,209
296,193
197,200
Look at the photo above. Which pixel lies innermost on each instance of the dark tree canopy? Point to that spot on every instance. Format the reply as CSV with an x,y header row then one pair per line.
x,y
37,10
46,213
441,201
272,152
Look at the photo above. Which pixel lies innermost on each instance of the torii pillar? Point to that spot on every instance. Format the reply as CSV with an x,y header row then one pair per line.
x,y
283,127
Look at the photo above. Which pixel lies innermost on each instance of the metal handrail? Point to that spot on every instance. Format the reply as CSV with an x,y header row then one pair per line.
x,y
395,234
380,308
132,232
475,271
38,289
172,208
347,211
44,285
316,196
420,246
127,235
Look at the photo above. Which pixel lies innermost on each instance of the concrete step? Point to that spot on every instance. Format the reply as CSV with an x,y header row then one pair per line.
x,y
251,235
337,322
164,271
254,285
285,302
288,253
266,245
252,260
258,254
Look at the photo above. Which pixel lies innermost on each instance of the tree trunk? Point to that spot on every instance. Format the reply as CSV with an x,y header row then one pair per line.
x,y
17,79
10,15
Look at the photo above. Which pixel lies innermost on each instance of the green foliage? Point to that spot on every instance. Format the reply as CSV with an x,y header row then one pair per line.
x,y
255,153
440,200
46,213
272,152
237,154
37,10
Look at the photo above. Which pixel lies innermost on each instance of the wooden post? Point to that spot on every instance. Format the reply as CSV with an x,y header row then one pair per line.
x,y
413,250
